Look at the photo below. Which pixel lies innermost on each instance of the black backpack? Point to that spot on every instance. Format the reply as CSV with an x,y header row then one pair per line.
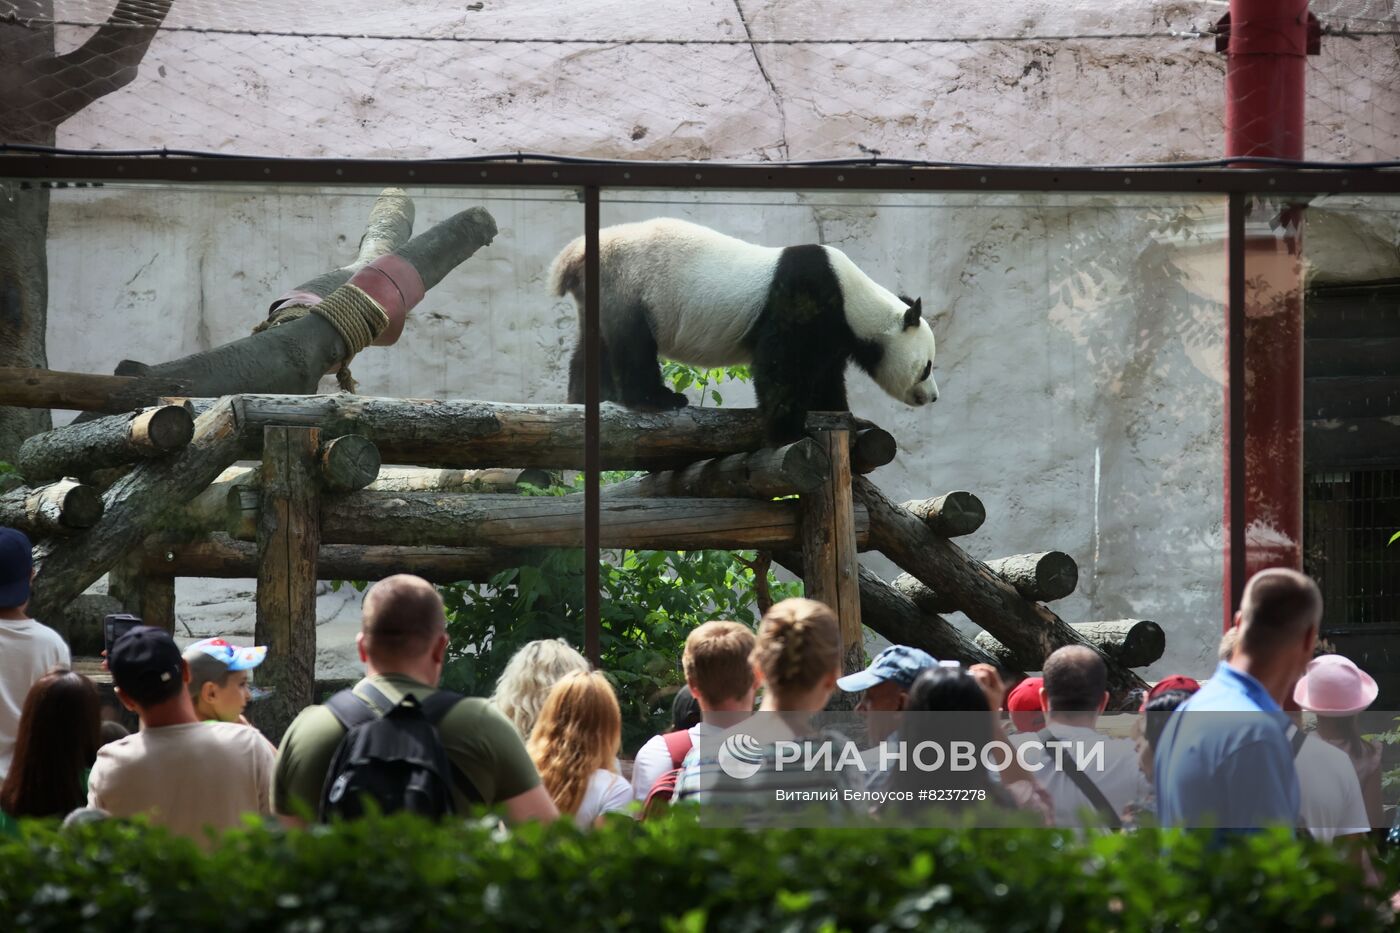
x,y
391,755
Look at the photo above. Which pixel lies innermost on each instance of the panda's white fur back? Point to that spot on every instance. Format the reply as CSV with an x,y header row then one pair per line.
x,y
704,291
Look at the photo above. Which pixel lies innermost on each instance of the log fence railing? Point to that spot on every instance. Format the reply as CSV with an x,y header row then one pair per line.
x,y
320,506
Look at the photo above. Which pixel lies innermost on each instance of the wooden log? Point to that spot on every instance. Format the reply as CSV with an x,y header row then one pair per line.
x,y
221,556
1046,576
873,447
829,546
389,226
797,468
1132,642
62,508
409,479
486,520
458,433
344,464
80,622
891,614
348,463
47,388
133,505
288,543
149,596
1029,629
1037,577
209,511
952,514
293,356
116,440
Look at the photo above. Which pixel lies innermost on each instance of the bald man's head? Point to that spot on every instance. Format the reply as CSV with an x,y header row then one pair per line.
x,y
1075,679
402,618
1278,609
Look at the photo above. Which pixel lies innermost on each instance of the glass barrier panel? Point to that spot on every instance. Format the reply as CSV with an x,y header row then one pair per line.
x,y
1078,373
459,390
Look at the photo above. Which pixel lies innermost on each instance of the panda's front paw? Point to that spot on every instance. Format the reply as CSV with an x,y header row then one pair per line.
x,y
678,400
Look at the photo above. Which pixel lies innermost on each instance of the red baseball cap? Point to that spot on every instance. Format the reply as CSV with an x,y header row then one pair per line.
x,y
1024,704
1172,682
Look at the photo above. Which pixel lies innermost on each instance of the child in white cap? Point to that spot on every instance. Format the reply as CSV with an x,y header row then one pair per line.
x,y
219,678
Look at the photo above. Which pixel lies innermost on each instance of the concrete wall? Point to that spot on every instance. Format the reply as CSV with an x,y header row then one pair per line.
x,y
1080,339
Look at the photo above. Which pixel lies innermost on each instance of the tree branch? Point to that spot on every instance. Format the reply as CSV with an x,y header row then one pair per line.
x,y
107,61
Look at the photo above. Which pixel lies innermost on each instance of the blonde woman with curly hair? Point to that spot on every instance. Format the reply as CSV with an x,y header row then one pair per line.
x,y
574,745
529,675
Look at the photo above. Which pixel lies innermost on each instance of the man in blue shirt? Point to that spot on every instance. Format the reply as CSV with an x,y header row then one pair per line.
x,y
1224,760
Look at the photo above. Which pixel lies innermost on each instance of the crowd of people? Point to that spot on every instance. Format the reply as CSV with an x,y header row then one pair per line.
x,y
1231,754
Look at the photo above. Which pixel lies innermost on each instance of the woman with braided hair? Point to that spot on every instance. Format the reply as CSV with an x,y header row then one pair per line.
x,y
797,658
796,661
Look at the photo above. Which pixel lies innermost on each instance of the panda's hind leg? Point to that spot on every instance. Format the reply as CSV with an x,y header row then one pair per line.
x,y
635,368
577,375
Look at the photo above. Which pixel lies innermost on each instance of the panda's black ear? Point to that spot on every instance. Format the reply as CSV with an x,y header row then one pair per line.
x,y
914,313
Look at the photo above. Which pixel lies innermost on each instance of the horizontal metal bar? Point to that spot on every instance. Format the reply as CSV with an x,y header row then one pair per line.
x,y
695,175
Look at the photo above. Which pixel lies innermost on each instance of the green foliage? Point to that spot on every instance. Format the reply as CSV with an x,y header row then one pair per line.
x,y
1393,539
401,874
7,468
682,377
651,600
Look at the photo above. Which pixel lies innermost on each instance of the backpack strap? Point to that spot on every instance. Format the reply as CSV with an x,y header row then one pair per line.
x,y
1086,786
349,710
678,745
438,704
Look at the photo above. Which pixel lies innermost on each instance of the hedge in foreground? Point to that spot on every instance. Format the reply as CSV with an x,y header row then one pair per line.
x,y
401,874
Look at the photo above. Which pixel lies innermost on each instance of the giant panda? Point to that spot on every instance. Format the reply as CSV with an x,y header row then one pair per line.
x,y
796,314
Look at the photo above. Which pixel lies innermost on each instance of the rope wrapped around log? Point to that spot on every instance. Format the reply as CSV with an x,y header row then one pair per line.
x,y
356,316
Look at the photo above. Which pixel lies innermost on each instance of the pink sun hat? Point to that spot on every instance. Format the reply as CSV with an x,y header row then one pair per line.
x,y
1334,686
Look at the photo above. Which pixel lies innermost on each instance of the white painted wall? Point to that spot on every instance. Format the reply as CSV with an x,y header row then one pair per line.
x,y
1080,339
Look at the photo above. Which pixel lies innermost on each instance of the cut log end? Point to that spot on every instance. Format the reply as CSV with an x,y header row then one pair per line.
x,y
81,506
1129,642
349,463
1040,577
59,508
1056,575
540,479
164,428
873,448
951,515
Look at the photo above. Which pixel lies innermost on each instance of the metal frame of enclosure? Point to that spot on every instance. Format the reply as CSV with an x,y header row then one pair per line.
x,y
594,176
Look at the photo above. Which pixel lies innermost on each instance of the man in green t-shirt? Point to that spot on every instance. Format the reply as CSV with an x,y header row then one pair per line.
x,y
403,643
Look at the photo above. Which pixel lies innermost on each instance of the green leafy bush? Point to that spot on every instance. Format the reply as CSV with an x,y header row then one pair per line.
x,y
402,874
651,601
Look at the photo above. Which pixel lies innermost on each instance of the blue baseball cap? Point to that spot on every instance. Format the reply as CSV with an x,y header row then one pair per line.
x,y
16,565
898,663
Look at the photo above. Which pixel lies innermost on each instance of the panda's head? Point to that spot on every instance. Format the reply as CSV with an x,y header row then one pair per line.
x,y
905,370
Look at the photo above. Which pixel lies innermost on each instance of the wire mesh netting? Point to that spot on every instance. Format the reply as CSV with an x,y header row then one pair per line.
x,y
1077,83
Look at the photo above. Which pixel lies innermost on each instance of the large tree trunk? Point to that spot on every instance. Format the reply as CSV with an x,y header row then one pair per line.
x,y
41,90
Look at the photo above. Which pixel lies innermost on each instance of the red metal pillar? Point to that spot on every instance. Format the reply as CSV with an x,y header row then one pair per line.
x,y
1267,42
